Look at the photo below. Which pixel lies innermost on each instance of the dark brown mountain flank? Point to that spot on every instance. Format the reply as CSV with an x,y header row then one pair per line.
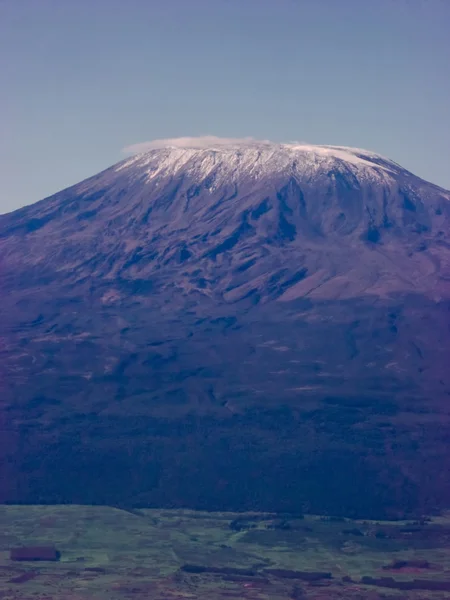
x,y
259,327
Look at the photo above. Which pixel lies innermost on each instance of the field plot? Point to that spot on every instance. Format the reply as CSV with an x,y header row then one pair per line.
x,y
108,553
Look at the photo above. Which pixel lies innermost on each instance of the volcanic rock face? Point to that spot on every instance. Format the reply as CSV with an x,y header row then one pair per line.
x,y
253,326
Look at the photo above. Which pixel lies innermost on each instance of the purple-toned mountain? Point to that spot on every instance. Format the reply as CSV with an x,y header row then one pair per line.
x,y
249,325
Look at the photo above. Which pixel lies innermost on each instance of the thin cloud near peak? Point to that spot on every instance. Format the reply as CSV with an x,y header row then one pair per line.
x,y
204,141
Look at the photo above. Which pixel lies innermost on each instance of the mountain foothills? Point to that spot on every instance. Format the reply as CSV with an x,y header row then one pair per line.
x,y
250,326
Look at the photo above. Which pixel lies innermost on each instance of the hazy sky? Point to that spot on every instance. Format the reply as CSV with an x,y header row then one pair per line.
x,y
82,79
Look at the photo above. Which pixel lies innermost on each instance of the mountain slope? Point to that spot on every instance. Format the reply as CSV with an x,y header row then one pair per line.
x,y
196,325
265,203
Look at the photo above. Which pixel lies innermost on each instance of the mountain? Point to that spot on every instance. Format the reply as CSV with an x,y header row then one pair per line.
x,y
241,326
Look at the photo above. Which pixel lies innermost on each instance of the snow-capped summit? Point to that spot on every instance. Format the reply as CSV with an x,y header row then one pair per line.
x,y
334,209
228,161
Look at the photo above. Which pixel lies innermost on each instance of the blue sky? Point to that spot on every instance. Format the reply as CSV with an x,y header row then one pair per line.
x,y
82,80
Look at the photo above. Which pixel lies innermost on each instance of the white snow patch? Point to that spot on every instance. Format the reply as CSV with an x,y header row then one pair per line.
x,y
231,159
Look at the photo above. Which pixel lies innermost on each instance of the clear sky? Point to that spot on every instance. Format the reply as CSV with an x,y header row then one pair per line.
x,y
82,79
